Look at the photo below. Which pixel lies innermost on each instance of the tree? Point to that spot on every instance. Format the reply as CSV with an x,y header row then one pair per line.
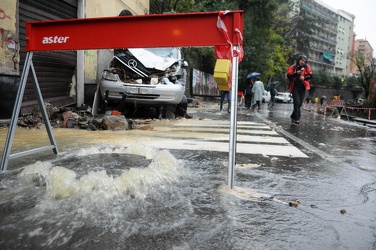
x,y
366,65
281,49
259,18
269,40
171,6
337,83
302,27
351,82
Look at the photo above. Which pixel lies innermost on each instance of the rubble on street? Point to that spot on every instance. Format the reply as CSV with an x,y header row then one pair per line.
x,y
80,118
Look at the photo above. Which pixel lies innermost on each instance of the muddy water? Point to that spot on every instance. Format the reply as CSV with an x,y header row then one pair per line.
x,y
110,190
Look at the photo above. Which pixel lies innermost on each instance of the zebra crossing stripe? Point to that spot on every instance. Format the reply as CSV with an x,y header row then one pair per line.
x,y
213,135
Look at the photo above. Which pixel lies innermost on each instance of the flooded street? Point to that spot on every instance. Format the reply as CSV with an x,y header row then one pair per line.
x,y
306,186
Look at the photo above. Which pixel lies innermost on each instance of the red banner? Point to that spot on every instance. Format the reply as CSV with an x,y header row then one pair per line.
x,y
165,30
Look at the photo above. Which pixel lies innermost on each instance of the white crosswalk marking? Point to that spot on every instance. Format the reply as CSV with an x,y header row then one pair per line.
x,y
213,135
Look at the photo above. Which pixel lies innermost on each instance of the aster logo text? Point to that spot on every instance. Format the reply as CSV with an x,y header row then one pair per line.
x,y
54,39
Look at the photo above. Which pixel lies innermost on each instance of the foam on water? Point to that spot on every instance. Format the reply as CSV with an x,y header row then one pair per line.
x,y
97,187
60,183
35,172
248,194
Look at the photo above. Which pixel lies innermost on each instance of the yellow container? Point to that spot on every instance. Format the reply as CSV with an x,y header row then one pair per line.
x,y
222,73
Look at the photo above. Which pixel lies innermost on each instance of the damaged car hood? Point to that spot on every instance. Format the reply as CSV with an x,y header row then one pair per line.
x,y
152,61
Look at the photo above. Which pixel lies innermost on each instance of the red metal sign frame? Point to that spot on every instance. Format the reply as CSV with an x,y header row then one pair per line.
x,y
197,29
224,28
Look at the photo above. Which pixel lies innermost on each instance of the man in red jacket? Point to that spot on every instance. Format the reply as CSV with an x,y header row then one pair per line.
x,y
299,75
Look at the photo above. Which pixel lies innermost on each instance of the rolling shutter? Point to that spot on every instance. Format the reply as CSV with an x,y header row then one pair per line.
x,y
54,70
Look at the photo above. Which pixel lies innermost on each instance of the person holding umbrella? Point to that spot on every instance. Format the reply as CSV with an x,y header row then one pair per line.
x,y
248,89
257,90
248,93
299,75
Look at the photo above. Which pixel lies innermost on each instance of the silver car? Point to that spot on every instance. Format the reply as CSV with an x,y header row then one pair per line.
x,y
151,77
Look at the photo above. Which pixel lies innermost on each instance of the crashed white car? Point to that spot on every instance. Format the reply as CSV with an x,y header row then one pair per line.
x,y
152,77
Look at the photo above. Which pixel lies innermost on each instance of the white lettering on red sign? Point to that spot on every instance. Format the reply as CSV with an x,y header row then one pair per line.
x,y
54,39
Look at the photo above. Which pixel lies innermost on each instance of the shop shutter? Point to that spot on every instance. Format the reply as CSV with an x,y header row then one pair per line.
x,y
54,70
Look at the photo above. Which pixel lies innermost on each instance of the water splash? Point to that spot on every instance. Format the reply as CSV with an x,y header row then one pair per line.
x,y
249,194
97,187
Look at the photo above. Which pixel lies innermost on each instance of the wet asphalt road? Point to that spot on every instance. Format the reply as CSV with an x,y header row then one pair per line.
x,y
335,185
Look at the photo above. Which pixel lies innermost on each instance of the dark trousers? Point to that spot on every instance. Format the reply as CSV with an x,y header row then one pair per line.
x,y
298,94
223,95
271,101
258,106
247,101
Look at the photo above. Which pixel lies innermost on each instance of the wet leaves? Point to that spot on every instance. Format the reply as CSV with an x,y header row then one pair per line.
x,y
294,203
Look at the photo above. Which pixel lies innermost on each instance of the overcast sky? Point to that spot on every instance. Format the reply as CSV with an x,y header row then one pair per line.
x,y
365,17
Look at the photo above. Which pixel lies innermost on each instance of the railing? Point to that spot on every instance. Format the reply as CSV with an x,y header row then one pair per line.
x,y
333,105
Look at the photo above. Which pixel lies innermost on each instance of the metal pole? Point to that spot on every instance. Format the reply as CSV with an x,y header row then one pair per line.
x,y
16,111
17,106
80,61
233,115
42,107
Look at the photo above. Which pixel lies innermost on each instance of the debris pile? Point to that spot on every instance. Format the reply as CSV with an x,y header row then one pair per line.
x,y
80,118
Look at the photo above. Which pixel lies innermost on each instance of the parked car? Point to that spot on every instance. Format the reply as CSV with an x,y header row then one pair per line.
x,y
152,77
283,97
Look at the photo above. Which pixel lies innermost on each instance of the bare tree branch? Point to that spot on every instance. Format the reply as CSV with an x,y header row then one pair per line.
x,y
366,66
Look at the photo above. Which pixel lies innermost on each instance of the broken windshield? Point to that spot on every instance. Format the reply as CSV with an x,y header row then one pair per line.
x,y
165,52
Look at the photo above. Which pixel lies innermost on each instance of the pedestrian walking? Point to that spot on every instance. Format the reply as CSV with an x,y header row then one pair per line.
x,y
223,95
248,93
273,92
322,100
258,91
299,75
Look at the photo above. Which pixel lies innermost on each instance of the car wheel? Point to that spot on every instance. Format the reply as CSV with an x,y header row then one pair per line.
x,y
181,108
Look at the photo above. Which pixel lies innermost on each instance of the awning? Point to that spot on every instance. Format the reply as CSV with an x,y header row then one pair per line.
x,y
328,56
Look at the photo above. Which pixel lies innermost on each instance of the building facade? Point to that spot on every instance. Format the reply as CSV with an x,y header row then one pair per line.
x,y
332,42
64,77
363,47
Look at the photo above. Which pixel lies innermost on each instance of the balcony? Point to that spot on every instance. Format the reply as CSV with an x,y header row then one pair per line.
x,y
324,39
320,49
310,8
321,61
